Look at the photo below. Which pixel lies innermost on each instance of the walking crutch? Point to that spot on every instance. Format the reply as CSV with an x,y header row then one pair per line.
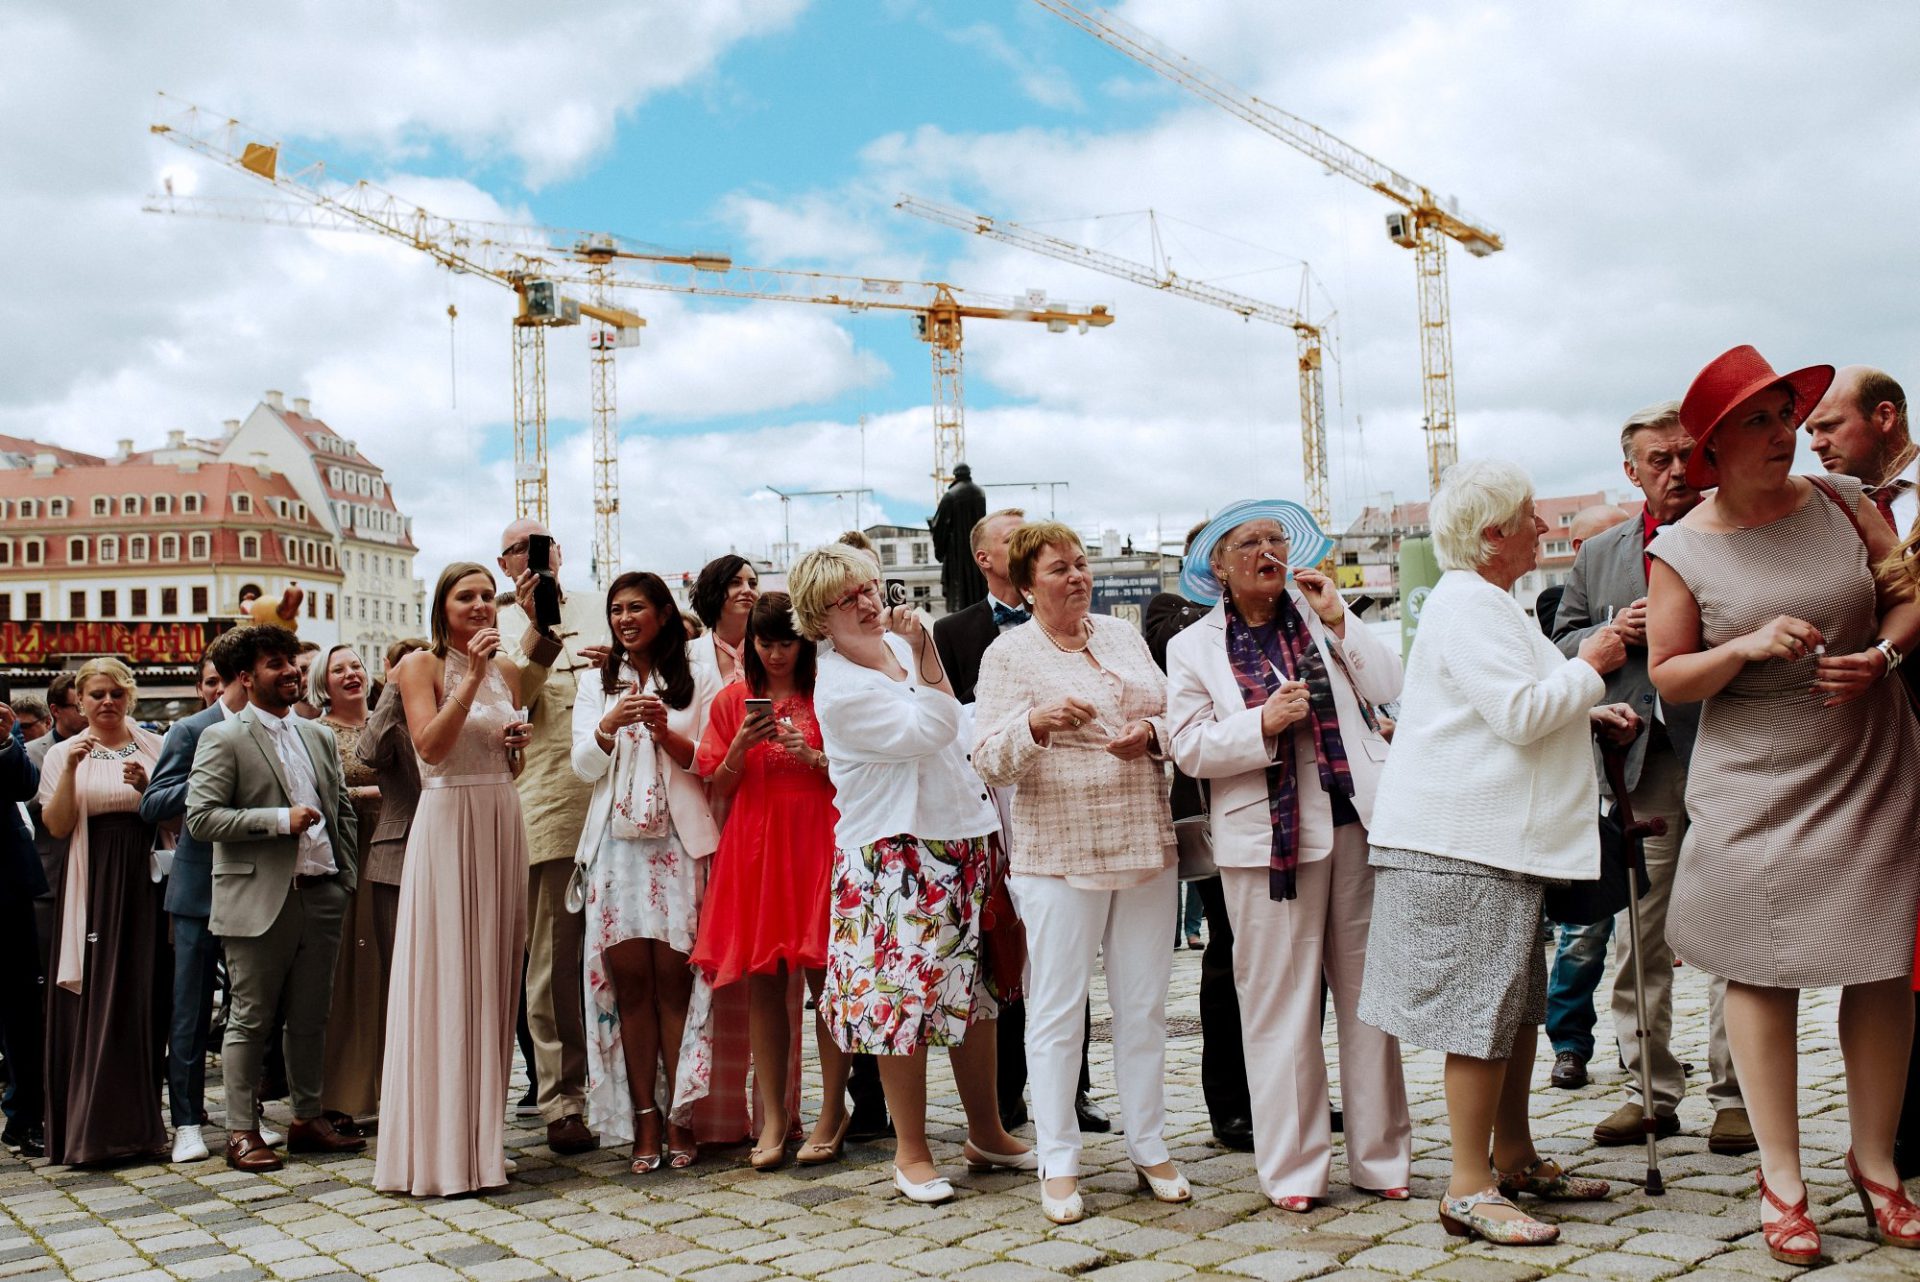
x,y
1634,834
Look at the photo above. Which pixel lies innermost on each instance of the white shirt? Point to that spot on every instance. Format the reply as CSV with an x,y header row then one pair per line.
x,y
896,755
316,847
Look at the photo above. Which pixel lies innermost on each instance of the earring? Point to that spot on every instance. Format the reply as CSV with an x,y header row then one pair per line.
x,y
1029,598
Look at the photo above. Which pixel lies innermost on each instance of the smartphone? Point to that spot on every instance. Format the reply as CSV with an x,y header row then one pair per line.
x,y
759,708
896,592
546,603
540,553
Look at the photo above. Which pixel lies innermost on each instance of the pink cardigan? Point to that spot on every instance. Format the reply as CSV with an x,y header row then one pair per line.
x,y
1078,809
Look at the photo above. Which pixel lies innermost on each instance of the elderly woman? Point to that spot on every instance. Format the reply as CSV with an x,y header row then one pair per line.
x,y
916,855
1073,710
1272,698
337,684
1797,870
103,1014
1489,793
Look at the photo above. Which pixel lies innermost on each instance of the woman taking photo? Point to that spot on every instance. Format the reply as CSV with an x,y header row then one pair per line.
x,y
642,859
104,1018
723,597
1272,699
765,917
1073,711
337,684
463,906
916,854
1489,791
1797,870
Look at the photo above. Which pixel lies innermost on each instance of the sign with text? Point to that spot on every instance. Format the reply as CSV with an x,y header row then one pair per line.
x,y
45,642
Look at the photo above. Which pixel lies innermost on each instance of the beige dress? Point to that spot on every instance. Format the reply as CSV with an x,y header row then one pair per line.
x,y
1798,867
357,1021
456,964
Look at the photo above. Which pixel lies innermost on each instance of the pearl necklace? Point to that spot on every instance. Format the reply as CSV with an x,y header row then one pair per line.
x,y
1064,649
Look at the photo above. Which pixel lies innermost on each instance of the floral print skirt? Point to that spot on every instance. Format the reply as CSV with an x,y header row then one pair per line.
x,y
904,947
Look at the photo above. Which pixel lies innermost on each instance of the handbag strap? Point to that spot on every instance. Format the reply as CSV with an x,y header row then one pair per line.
x,y
1825,486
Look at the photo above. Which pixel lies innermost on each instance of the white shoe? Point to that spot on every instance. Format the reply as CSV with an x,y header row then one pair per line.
x,y
188,1146
270,1137
512,1166
1164,1190
978,1159
1066,1210
934,1190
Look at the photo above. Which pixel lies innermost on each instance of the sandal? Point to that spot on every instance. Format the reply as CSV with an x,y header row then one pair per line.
x,y
1898,1222
1556,1187
815,1153
1793,1225
1462,1217
646,1158
681,1156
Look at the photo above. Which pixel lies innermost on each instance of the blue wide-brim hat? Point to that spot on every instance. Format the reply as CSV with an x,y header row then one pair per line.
x,y
1308,544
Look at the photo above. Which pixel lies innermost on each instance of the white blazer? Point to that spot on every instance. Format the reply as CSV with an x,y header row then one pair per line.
x,y
1217,737
1491,757
686,793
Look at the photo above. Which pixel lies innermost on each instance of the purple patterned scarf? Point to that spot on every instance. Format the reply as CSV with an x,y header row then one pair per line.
x,y
1255,654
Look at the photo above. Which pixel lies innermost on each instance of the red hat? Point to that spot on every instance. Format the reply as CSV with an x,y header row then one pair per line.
x,y
1729,379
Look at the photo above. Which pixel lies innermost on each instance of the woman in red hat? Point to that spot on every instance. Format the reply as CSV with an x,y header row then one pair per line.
x,y
1798,869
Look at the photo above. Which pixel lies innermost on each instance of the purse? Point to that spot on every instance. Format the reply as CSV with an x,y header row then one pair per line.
x,y
1003,935
1194,839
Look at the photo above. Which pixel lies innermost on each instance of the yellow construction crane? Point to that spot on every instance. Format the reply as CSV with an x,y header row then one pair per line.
x,y
507,254
1422,223
1161,276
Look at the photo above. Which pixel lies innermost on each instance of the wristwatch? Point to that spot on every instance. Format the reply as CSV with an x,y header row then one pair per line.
x,y
1890,652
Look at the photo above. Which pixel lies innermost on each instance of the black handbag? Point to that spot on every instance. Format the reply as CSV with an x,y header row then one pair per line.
x,y
1588,903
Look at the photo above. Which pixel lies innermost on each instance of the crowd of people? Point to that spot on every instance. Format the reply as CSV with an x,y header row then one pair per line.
x,y
662,836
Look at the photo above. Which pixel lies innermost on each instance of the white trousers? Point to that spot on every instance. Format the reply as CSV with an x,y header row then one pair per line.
x,y
1067,930
1281,950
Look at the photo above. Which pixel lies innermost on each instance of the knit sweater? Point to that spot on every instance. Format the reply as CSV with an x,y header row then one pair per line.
x,y
1490,760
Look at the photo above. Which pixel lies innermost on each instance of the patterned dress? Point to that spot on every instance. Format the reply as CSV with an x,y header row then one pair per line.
x,y
1798,867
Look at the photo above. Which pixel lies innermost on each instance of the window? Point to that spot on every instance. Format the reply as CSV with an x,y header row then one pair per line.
x,y
329,605
56,507
33,549
313,605
1566,520
190,503
250,547
129,505
76,605
169,601
310,552
162,504
921,552
326,555
137,548
300,512
169,547
6,551
333,477
3,508
137,599
889,554
102,507
6,607
76,551
109,603
362,603
199,600
379,488
1559,547
29,508
197,547
109,547
35,609
243,502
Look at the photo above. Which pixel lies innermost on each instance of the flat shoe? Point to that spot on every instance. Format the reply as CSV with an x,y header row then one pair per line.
x,y
934,1191
1298,1205
978,1159
1462,1217
1557,1187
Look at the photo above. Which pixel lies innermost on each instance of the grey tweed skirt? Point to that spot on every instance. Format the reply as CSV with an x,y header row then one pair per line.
x,y
1454,957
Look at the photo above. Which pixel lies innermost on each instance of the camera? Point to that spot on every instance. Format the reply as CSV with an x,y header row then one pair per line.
x,y
896,592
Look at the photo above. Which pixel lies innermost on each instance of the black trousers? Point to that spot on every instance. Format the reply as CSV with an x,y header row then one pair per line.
x,y
22,1012
1223,1060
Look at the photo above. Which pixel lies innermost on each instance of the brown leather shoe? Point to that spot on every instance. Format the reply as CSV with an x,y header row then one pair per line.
x,y
246,1151
570,1135
316,1135
1732,1133
1625,1126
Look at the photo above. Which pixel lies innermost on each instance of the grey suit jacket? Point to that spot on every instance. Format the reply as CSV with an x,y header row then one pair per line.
x,y
190,884
386,746
234,798
1611,571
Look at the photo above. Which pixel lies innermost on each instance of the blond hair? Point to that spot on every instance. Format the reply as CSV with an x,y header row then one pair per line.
x,y
1029,541
113,670
979,534
820,578
317,675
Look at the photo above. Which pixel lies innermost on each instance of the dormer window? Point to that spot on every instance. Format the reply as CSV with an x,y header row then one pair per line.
x,y
129,505
56,507
162,504
29,508
102,506
190,503
243,502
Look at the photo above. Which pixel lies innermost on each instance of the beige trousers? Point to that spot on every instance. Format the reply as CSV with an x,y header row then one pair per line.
x,y
556,1010
1281,951
1661,793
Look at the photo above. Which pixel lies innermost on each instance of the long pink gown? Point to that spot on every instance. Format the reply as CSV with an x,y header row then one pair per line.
x,y
455,981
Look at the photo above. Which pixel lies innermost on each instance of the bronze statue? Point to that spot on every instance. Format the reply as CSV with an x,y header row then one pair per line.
x,y
961,508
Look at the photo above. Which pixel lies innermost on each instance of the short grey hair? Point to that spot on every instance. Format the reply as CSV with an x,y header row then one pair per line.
x,y
1474,496
317,675
1664,415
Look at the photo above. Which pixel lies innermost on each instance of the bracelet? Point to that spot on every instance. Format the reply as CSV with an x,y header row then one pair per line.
x,y
454,698
1890,652
727,766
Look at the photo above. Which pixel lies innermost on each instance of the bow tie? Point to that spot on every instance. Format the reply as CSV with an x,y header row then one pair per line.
x,y
1007,616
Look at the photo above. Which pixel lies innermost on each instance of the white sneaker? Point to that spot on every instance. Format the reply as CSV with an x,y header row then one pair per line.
x,y
271,1137
188,1146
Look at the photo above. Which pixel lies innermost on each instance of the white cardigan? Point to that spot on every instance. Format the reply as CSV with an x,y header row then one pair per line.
x,y
1492,762
686,793
1217,737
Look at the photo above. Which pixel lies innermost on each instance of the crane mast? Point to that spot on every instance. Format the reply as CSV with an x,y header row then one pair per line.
x,y
1423,224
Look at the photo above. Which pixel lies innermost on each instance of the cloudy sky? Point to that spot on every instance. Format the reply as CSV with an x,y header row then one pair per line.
x,y
1672,179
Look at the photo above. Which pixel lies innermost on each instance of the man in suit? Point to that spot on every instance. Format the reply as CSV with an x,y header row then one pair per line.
x,y
63,701
961,639
267,792
189,901
1608,589
22,1008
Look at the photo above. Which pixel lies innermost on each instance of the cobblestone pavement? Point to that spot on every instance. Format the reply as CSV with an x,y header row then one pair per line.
x,y
719,1222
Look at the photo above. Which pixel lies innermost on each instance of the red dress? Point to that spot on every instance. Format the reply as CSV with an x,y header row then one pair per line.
x,y
766,900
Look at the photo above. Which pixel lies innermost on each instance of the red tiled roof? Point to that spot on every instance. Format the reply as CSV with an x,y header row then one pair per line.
x,y
318,438
65,457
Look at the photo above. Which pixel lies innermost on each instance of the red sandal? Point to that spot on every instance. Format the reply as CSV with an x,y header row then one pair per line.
x,y
1794,1223
1898,1222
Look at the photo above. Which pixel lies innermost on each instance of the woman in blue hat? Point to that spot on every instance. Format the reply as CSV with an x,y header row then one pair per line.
x,y
1272,700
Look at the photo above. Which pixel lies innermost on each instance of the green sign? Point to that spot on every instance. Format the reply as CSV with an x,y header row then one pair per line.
x,y
1419,571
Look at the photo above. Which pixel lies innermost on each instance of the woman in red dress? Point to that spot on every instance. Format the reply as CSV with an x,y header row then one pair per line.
x,y
766,908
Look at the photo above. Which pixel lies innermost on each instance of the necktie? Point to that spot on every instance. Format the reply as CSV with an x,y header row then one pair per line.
x,y
1883,497
1007,616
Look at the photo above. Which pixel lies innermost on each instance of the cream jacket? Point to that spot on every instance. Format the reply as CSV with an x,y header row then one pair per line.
x,y
686,793
552,797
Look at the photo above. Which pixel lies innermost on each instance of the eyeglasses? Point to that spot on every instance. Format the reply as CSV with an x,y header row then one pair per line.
x,y
871,588
515,549
1259,541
